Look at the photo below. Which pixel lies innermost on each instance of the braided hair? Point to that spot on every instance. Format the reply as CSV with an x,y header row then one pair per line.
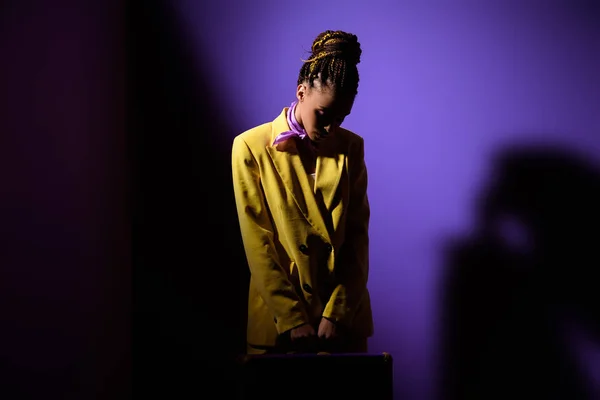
x,y
333,61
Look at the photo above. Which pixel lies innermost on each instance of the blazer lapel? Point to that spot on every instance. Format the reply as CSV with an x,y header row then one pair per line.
x,y
289,166
330,166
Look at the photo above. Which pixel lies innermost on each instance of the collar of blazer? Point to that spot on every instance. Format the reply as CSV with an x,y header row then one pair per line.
x,y
330,166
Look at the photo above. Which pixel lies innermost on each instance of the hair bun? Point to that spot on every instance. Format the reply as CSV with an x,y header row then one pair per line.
x,y
337,44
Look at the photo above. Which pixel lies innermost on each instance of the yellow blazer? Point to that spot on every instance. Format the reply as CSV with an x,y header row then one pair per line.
x,y
307,247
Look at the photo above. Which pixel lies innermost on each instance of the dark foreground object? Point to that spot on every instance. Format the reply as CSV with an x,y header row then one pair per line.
x,y
316,376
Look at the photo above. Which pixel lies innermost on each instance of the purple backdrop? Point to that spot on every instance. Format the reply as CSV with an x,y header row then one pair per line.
x,y
443,86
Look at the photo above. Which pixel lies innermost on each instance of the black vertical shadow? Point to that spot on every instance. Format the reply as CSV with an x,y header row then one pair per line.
x,y
510,293
190,279
64,249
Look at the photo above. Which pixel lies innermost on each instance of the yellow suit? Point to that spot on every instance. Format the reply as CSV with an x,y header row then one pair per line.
x,y
306,247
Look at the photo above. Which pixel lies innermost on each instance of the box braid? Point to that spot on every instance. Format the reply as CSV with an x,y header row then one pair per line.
x,y
334,58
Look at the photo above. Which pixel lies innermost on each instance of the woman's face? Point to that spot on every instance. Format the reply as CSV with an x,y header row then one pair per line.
x,y
321,109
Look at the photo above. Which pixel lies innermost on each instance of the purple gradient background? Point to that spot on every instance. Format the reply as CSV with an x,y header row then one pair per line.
x,y
443,85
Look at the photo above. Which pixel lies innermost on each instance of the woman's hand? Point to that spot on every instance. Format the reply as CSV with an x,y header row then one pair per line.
x,y
327,329
302,332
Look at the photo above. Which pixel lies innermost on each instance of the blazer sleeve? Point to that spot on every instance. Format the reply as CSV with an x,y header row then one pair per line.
x,y
258,235
352,264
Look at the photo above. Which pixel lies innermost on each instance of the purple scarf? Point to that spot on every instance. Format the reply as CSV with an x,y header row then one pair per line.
x,y
295,128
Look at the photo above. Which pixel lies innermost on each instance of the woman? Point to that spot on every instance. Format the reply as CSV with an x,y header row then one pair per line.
x,y
300,185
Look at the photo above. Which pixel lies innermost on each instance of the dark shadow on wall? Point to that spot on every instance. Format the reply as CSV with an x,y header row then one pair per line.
x,y
190,279
64,221
513,288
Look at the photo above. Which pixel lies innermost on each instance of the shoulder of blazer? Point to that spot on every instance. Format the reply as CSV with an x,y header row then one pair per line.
x,y
349,137
259,137
253,141
256,137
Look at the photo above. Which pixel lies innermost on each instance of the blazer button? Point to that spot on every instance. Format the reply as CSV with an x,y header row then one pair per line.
x,y
303,248
329,248
307,288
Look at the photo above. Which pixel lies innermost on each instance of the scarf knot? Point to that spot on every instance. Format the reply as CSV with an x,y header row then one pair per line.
x,y
295,128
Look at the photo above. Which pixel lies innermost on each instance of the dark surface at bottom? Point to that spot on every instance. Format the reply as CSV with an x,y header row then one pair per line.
x,y
316,376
